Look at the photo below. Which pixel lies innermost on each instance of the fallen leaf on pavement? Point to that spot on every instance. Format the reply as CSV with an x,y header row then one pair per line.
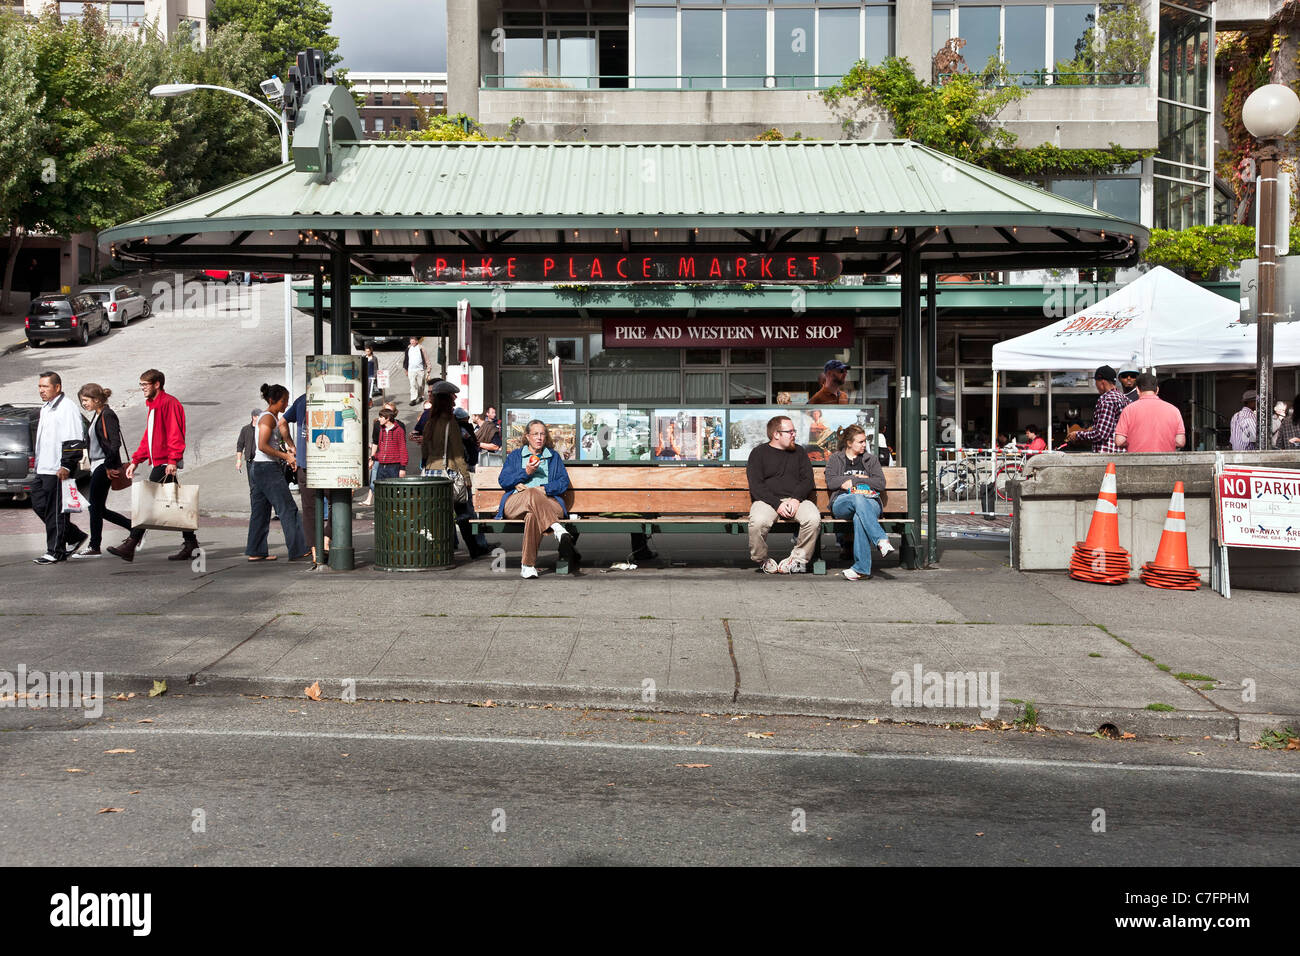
x,y
874,720
680,733
110,810
1127,736
979,834
758,736
133,792
74,770
130,695
486,703
1197,753
145,720
119,750
1293,743
159,688
119,696
313,691
694,766
706,715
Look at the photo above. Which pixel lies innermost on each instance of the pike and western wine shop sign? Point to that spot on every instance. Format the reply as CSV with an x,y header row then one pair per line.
x,y
627,267
746,333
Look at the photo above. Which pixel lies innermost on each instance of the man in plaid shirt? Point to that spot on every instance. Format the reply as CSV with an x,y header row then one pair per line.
x,y
1106,415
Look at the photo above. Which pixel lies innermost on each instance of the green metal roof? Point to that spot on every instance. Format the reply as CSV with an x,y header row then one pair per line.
x,y
403,198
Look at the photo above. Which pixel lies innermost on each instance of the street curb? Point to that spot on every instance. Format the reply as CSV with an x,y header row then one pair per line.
x,y
1215,724
13,347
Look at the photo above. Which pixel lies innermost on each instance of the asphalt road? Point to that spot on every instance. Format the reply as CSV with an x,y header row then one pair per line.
x,y
277,781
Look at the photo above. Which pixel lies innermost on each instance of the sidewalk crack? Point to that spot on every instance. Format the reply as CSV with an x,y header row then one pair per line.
x,y
731,649
192,678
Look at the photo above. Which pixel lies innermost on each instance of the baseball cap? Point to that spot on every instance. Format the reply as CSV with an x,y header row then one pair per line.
x,y
444,388
835,365
1249,395
1130,371
1104,374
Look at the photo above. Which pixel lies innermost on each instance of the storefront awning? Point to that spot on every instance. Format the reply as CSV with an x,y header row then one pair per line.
x,y
868,202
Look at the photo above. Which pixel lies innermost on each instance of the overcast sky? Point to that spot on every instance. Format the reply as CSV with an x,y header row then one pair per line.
x,y
408,36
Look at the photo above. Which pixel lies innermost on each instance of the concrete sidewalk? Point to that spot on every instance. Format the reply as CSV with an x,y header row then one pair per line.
x,y
710,636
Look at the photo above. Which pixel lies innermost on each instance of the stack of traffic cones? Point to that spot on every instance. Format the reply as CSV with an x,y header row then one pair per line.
x,y
1170,568
1100,559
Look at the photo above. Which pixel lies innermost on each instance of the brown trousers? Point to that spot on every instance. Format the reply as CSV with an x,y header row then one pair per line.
x,y
539,513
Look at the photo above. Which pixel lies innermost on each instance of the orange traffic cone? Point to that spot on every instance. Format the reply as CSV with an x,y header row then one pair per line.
x,y
1170,569
1099,558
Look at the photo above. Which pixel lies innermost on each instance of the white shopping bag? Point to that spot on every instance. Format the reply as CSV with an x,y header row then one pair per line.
x,y
73,502
165,506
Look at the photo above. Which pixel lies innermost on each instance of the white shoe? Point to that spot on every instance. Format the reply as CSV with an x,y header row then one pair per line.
x,y
770,567
885,548
851,575
527,572
791,565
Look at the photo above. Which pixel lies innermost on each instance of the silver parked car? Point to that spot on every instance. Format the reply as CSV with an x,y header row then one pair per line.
x,y
121,302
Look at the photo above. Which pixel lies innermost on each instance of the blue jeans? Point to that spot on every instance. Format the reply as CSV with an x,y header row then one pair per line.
x,y
271,489
867,533
387,471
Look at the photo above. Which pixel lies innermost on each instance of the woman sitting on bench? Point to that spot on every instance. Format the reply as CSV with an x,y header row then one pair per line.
x,y
536,482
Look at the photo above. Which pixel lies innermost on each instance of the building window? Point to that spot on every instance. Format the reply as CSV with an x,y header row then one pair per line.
x,y
562,49
1119,195
439,99
1183,182
379,124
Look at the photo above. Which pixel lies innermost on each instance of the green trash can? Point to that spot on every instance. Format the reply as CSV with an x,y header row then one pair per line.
x,y
413,524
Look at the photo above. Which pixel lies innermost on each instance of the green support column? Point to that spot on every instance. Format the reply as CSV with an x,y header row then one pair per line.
x,y
318,343
931,418
910,390
342,557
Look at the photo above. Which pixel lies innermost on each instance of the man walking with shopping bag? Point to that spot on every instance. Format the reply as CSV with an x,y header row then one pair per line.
x,y
163,446
60,441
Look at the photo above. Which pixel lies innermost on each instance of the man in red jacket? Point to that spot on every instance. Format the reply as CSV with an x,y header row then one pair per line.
x,y
163,446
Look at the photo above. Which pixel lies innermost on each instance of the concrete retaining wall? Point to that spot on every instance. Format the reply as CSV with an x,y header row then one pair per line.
x,y
1054,504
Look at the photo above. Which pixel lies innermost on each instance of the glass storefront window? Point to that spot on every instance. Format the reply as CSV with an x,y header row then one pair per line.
x,y
1024,380
840,46
1025,41
1120,197
1070,23
979,27
703,387
810,358
569,349
794,44
701,49
521,351
975,351
656,45
632,358
748,356
746,48
1076,190
702,356
747,388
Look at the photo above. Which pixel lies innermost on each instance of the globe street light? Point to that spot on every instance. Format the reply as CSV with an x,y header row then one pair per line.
x,y
1269,113
273,88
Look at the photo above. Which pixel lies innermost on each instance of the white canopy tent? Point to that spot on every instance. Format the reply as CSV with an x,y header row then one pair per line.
x,y
1159,320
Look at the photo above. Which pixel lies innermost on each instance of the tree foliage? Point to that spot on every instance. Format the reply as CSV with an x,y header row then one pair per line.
x,y
1204,251
441,128
282,28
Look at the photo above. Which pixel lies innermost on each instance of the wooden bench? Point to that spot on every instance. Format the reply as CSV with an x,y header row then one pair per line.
x,y
679,498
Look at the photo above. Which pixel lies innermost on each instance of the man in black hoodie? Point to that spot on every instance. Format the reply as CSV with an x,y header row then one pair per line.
x,y
781,486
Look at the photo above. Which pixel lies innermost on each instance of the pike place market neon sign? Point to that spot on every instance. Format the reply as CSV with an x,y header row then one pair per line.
x,y
627,267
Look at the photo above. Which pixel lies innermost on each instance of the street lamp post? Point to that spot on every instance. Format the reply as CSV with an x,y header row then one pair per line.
x,y
1269,113
282,124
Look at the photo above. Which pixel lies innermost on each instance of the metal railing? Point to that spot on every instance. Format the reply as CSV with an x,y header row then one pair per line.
x,y
1041,78
962,472
663,81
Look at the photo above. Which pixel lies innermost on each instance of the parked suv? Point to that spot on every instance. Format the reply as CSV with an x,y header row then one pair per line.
x,y
123,303
65,318
18,449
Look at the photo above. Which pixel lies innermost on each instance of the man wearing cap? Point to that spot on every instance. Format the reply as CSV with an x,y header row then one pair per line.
x,y
832,383
1150,424
1105,416
1128,384
1243,428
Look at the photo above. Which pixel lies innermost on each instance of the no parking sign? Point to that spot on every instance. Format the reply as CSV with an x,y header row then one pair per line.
x,y
1259,507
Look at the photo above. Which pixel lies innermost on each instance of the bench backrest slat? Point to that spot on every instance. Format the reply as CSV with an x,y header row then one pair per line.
x,y
669,490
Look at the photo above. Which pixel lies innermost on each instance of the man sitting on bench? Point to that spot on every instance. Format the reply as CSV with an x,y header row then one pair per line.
x,y
781,485
536,481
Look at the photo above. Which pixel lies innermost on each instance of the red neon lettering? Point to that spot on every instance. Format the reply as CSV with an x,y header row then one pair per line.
x,y
715,270
765,267
596,272
740,267
789,267
439,267
547,265
572,274
813,260
510,267
485,266
463,274
618,267
686,267
645,267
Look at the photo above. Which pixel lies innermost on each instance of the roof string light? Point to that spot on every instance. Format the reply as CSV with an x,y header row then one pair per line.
x,y
855,230
656,233
1103,233
575,234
